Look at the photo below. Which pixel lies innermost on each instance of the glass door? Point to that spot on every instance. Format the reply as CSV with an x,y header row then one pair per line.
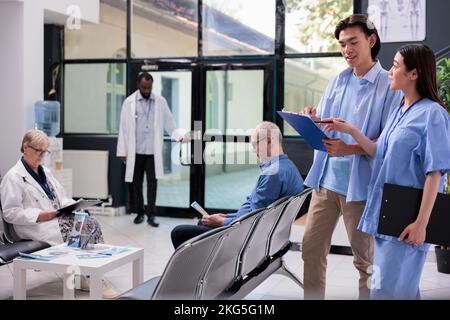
x,y
219,103
237,98
175,85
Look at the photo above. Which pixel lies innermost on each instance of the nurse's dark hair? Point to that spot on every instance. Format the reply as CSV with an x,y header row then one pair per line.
x,y
144,75
366,26
421,58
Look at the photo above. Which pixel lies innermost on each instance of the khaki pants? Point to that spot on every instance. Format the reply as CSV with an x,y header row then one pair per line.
x,y
324,211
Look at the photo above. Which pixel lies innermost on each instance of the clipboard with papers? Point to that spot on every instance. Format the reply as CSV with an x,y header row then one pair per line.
x,y
400,206
78,205
306,127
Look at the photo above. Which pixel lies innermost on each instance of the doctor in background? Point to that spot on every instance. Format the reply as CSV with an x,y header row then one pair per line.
x,y
30,196
144,118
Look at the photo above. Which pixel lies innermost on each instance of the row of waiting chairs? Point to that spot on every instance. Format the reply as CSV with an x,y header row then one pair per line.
x,y
230,261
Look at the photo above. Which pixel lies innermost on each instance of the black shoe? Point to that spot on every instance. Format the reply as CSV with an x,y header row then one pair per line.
x,y
153,221
139,219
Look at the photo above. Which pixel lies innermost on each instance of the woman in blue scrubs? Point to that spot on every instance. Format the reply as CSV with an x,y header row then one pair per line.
x,y
414,151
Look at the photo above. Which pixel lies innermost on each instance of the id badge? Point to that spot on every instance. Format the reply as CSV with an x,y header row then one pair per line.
x,y
146,130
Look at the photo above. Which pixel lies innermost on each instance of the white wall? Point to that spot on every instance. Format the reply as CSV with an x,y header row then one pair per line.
x,y
21,65
12,112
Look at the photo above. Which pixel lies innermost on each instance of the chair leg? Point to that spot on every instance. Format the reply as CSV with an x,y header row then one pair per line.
x,y
284,270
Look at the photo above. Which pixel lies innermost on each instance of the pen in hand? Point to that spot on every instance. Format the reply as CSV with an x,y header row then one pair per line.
x,y
328,120
323,121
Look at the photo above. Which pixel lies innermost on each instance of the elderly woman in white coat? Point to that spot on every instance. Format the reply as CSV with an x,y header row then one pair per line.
x,y
31,196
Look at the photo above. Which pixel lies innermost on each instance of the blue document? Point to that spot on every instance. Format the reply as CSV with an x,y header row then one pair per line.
x,y
37,256
306,127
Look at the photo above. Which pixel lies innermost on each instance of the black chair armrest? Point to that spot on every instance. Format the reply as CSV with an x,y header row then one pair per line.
x,y
10,251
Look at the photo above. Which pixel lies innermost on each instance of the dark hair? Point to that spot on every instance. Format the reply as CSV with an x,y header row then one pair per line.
x,y
144,75
365,25
421,58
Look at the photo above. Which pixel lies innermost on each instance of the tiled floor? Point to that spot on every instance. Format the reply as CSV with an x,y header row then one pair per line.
x,y
341,276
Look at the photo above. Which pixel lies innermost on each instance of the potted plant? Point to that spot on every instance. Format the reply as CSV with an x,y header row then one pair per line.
x,y
443,82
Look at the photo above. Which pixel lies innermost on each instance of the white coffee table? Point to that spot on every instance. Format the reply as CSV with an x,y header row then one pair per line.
x,y
70,264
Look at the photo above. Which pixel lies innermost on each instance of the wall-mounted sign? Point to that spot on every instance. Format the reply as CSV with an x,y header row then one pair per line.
x,y
399,20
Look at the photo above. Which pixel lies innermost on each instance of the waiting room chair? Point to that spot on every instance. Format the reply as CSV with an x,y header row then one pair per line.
x,y
181,279
253,255
279,241
13,244
277,244
221,273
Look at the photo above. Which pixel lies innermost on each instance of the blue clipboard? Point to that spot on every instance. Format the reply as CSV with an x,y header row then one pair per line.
x,y
306,127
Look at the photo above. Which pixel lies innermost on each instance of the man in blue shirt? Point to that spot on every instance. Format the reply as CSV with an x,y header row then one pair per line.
x,y
360,95
279,178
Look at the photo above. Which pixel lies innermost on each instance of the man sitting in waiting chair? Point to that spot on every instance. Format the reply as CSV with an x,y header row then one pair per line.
x,y
279,178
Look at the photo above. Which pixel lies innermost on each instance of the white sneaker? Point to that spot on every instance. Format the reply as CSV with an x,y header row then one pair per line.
x,y
108,291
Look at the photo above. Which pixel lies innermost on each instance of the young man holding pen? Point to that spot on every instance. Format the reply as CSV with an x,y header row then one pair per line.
x,y
360,95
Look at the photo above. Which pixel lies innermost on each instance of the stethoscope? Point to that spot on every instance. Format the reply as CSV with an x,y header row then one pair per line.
x,y
395,123
146,114
55,197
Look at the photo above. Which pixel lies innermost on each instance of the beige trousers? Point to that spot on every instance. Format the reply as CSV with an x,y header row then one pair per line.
x,y
325,209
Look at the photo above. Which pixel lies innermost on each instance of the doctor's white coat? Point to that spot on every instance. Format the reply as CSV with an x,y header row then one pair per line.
x,y
22,201
126,143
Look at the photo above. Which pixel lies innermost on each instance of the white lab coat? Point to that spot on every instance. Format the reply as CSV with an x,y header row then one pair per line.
x,y
22,201
126,143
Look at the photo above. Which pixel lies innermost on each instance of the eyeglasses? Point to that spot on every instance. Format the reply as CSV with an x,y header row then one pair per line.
x,y
40,151
256,143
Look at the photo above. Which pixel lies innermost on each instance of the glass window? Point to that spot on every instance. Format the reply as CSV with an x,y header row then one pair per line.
x,y
305,81
229,95
231,173
93,97
173,188
310,24
164,28
238,27
176,88
82,42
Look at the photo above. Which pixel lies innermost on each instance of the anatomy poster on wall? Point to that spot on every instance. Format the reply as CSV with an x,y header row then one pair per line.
x,y
398,20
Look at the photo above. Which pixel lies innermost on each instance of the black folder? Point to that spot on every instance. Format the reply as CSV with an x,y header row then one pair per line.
x,y
400,206
78,205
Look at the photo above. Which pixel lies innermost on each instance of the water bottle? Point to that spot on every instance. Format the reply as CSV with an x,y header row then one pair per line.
x,y
47,117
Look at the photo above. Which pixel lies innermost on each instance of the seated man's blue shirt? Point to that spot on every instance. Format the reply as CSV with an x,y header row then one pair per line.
x,y
279,178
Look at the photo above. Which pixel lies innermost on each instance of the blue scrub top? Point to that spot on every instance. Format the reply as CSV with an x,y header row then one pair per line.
x,y
374,104
336,174
413,144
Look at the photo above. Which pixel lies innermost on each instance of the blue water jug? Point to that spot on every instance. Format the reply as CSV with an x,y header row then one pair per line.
x,y
47,117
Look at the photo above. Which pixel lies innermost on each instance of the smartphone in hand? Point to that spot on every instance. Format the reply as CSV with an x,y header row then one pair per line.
x,y
199,208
